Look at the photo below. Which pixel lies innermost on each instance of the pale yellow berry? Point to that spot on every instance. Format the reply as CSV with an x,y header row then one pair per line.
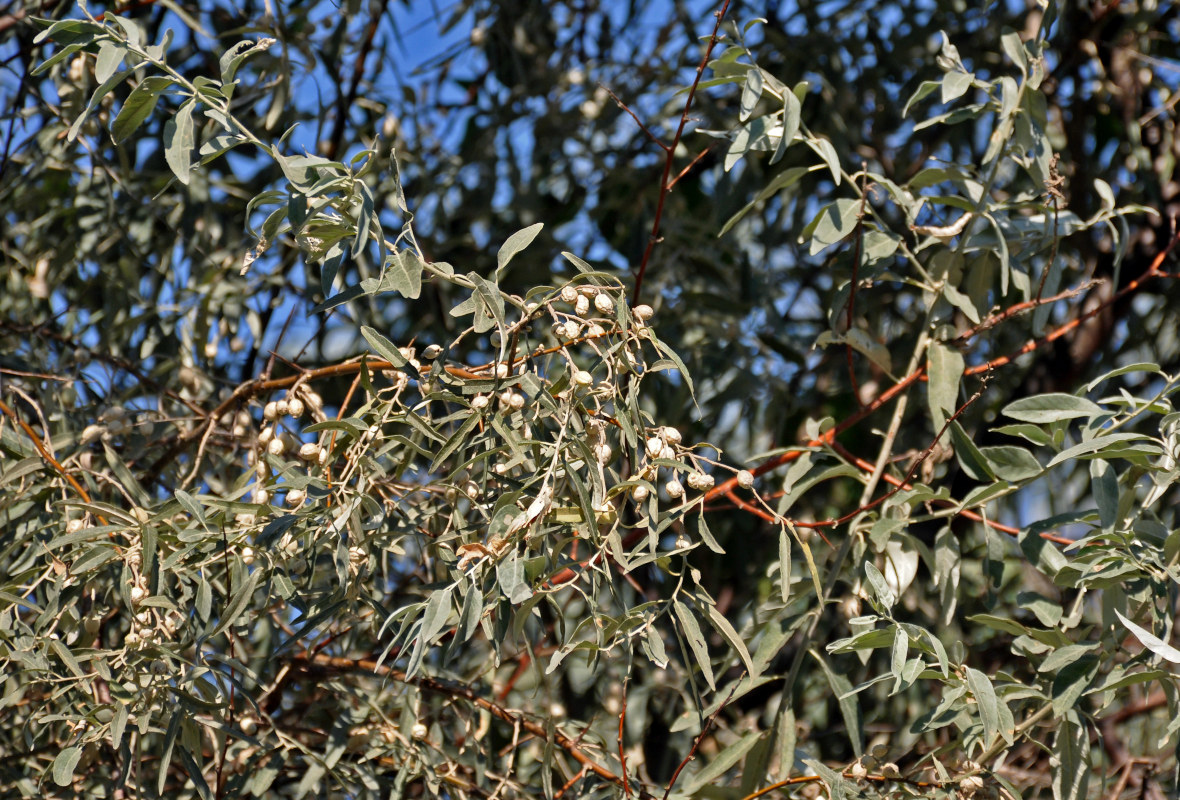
x,y
265,435
582,306
516,401
653,446
745,478
260,496
210,350
432,352
310,451
141,515
640,493
275,446
569,294
282,407
74,525
295,497
667,453
248,725
479,401
419,731
604,303
270,412
501,370
594,329
572,329
91,433
642,313
295,408
138,593
583,378
674,489
602,453
247,555
670,435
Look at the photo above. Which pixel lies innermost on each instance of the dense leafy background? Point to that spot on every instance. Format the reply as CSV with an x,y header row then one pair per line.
x,y
126,288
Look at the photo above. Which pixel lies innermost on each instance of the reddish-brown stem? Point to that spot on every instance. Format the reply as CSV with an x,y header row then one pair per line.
x,y
638,122
829,436
697,741
670,156
691,164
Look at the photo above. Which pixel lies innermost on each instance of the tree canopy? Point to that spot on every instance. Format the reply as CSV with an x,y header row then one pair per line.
x,y
547,399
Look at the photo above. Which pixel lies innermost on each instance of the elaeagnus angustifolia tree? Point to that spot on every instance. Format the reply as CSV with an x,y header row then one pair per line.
x,y
589,399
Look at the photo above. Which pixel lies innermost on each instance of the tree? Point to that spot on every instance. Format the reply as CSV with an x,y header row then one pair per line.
x,y
783,410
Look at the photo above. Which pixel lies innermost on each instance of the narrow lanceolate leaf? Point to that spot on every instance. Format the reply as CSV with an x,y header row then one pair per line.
x,y
1151,641
238,603
696,642
1070,766
517,242
384,347
179,140
438,610
727,630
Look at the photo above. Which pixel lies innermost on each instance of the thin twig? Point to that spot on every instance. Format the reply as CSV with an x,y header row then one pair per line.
x,y
670,155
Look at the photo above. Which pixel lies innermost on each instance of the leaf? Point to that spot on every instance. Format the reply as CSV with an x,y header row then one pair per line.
x,y
179,140
727,630
849,706
1151,641
955,84
751,93
63,765
515,243
1044,408
696,641
237,604
138,107
510,574
384,347
1070,764
835,222
784,563
881,590
403,274
988,706
438,611
828,153
945,366
1011,463
725,759
1112,442
968,455
109,59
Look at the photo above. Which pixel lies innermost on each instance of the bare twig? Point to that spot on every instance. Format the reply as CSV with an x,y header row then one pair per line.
x,y
670,155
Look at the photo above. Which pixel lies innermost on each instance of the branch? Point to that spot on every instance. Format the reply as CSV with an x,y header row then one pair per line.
x,y
670,155
465,692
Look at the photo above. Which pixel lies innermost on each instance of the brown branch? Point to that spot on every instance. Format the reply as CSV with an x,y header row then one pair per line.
x,y
638,122
696,743
670,155
465,692
1021,308
691,164
345,101
829,436
46,456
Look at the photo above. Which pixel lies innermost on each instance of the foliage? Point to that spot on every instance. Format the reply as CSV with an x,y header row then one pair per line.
x,y
518,524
